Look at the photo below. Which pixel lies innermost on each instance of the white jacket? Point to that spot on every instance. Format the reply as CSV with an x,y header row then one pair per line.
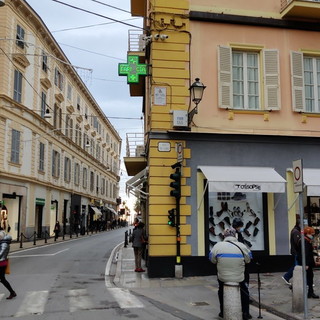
x,y
230,260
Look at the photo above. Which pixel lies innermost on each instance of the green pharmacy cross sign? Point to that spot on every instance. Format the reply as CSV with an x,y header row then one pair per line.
x,y
132,69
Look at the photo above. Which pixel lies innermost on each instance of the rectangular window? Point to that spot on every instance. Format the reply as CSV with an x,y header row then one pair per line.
x,y
41,156
20,37
103,183
15,146
91,181
311,67
55,164
78,103
77,174
69,92
85,178
67,169
58,78
97,184
43,104
245,76
44,62
17,87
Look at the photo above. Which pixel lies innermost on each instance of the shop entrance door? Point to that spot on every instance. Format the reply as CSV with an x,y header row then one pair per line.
x,y
38,220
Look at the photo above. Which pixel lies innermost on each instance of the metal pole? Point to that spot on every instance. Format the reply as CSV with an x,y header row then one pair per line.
x,y
303,254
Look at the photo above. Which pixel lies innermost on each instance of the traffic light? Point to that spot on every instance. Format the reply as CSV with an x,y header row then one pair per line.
x,y
176,184
172,218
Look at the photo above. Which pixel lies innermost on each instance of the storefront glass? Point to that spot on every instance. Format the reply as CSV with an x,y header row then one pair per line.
x,y
225,206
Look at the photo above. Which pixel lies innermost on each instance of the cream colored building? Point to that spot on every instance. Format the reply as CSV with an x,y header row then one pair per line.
x,y
60,155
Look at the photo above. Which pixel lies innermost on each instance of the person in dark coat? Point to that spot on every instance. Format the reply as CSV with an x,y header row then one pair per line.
x,y
138,242
295,236
310,263
5,241
56,230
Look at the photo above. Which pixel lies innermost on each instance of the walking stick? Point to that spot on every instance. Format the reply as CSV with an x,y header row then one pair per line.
x,y
259,286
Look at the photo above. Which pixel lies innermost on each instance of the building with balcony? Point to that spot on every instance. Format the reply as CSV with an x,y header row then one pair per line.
x,y
260,111
60,156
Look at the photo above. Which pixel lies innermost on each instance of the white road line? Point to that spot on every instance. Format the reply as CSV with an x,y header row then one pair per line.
x,y
33,303
1,296
79,300
38,255
125,299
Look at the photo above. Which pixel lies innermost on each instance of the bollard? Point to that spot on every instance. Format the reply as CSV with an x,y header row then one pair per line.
x,y
45,236
297,290
125,239
231,301
34,238
21,240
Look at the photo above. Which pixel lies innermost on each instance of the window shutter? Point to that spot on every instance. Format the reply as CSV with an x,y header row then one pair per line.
x,y
224,80
297,81
272,100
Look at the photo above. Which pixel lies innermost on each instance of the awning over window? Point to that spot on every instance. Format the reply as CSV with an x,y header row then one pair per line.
x,y
311,178
135,184
97,212
112,210
243,179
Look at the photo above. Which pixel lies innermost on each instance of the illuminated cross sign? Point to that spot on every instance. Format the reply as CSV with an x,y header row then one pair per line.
x,y
132,69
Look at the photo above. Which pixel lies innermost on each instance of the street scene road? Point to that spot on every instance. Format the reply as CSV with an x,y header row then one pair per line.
x,y
66,280
92,277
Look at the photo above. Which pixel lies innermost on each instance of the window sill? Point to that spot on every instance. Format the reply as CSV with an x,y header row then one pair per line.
x,y
233,112
14,164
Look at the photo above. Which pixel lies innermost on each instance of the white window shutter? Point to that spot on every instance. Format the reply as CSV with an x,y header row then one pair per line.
x,y
271,80
297,81
224,74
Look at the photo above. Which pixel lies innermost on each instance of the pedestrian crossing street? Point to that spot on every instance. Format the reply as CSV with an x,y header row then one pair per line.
x,y
34,302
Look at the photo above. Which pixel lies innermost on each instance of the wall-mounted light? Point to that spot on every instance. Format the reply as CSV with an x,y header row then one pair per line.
x,y
196,93
47,114
2,3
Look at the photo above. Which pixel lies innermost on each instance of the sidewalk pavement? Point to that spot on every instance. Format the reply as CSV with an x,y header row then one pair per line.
x,y
275,295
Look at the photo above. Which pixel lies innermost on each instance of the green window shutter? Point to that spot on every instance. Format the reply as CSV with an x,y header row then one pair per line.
x,y
272,100
297,81
224,74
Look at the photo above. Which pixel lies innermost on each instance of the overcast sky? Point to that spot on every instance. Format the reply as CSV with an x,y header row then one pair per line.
x,y
108,46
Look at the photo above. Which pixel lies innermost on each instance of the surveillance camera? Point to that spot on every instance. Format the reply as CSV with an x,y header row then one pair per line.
x,y
156,36
164,37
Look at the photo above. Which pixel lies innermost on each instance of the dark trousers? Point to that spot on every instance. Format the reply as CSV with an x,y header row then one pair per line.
x,y
309,275
3,279
244,295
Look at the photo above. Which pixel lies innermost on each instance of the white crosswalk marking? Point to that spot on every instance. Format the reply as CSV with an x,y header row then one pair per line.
x,y
79,300
125,299
1,296
33,303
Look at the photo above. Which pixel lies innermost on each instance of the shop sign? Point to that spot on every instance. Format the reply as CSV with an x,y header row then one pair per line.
x,y
40,201
247,186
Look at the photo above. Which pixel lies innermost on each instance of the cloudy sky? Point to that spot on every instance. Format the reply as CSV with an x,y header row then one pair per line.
x,y
94,42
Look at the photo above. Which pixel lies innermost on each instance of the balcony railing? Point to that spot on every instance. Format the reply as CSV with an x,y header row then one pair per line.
x,y
135,145
136,40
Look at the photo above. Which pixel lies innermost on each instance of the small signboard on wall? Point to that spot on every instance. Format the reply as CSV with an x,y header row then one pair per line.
x,y
160,96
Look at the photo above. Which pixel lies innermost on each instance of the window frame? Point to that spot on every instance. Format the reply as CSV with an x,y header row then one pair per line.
x,y
41,156
15,146
55,168
17,86
20,33
67,169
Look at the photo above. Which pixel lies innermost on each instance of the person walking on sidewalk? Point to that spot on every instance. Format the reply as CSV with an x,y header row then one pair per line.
x,y
295,236
56,230
138,242
5,241
230,255
310,263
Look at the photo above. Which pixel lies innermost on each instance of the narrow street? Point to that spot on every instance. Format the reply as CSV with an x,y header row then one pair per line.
x,y
66,280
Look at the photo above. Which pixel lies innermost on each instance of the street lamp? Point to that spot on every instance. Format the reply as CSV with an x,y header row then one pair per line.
x,y
196,92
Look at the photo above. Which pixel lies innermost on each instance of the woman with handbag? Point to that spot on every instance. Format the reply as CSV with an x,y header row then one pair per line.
x,y
5,241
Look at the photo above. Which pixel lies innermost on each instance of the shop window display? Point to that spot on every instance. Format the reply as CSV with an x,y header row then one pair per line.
x,y
225,206
312,213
